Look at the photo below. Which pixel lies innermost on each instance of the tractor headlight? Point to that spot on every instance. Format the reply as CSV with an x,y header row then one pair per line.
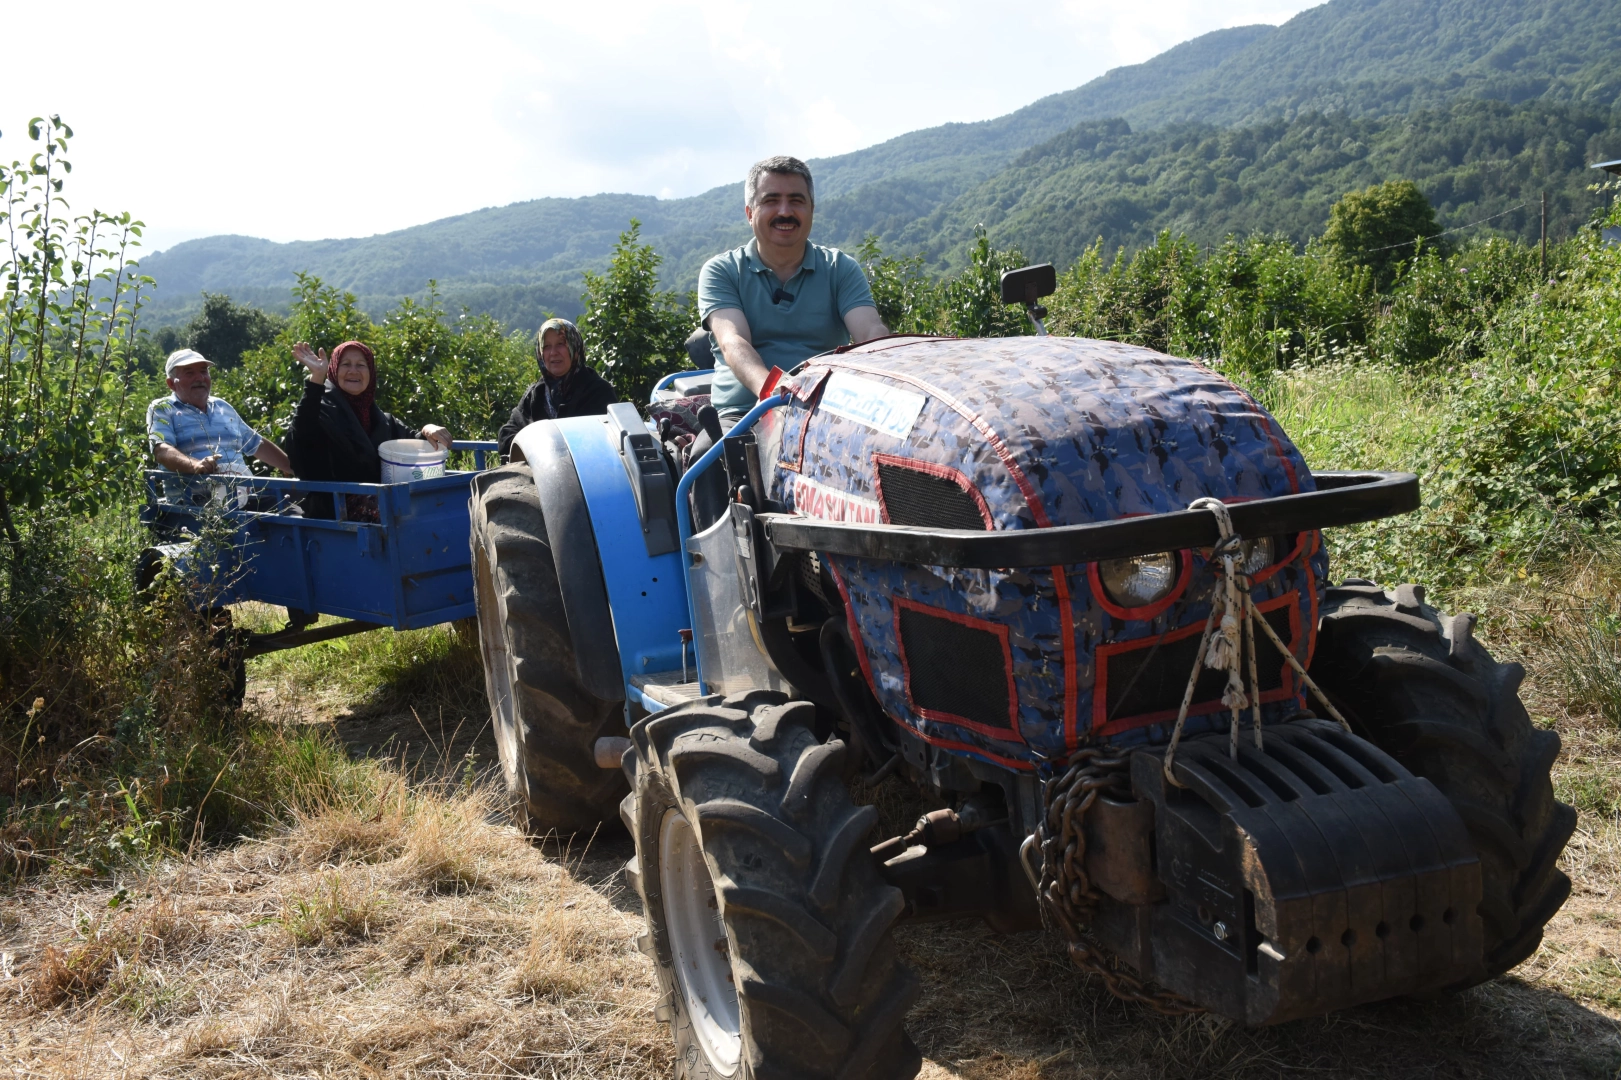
x,y
1140,580
1256,555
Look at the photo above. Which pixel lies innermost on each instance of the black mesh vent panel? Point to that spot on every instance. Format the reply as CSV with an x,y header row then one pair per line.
x,y
956,669
1138,686
916,498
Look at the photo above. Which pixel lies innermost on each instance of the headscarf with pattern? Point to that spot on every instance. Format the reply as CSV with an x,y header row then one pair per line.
x,y
360,402
576,352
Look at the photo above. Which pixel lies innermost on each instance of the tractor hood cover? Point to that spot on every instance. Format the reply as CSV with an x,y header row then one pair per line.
x,y
1024,665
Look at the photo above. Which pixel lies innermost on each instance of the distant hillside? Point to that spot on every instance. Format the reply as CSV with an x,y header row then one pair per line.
x,y
1052,172
1476,160
1386,56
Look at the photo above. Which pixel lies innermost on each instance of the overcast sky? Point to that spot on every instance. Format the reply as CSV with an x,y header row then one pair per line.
x,y
299,121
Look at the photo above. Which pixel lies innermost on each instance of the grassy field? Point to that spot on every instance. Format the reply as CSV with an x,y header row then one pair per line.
x,y
395,924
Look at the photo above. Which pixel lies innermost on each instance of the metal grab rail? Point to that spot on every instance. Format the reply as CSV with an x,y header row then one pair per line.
x,y
672,377
1342,498
683,512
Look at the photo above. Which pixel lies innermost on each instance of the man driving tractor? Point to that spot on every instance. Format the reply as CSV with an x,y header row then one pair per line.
x,y
779,298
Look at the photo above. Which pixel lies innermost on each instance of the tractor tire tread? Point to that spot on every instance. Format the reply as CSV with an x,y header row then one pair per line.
x,y
814,979
558,721
1420,687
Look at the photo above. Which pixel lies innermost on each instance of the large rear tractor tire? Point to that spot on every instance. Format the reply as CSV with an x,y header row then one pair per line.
x,y
546,723
1416,683
769,924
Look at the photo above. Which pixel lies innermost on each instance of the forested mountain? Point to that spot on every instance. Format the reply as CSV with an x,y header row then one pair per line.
x,y
1477,161
1484,104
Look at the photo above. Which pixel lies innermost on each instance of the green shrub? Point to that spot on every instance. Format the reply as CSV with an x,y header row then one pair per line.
x,y
908,300
70,290
633,332
465,373
1443,310
971,302
1380,228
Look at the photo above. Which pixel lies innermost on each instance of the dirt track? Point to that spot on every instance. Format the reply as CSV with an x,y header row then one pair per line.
x,y
427,938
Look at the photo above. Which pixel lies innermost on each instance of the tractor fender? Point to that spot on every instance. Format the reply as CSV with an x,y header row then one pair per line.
x,y
625,608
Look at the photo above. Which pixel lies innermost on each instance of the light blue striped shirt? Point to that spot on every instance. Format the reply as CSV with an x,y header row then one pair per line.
x,y
198,433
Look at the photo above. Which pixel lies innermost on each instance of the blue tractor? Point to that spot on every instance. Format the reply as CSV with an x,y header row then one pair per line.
x,y
1077,593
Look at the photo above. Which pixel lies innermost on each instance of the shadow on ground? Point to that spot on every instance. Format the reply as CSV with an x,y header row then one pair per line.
x,y
997,1007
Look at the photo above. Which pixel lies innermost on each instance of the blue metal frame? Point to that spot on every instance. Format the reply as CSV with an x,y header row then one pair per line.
x,y
673,376
410,570
683,510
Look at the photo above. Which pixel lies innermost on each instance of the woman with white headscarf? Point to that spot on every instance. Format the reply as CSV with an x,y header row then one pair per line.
x,y
567,387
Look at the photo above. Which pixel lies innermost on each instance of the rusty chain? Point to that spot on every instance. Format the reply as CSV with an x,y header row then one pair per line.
x,y
1066,892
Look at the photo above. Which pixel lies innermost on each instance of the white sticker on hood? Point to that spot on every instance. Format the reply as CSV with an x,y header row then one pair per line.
x,y
866,401
830,504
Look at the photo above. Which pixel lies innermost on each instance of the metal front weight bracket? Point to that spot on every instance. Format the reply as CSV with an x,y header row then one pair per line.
x,y
1308,876
763,571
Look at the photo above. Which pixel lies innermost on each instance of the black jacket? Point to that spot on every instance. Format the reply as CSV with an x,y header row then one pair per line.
x,y
325,442
582,392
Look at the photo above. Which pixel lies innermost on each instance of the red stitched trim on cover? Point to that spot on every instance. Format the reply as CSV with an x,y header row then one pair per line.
x,y
967,748
1184,574
866,671
1272,429
1066,615
907,339
1000,630
810,399
1102,726
944,472
855,628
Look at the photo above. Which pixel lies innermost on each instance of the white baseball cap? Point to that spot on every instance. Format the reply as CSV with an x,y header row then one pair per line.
x,y
182,357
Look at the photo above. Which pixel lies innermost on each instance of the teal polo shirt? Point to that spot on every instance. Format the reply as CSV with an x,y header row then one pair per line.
x,y
828,285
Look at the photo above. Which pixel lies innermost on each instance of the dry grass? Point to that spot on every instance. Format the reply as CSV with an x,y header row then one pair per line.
x,y
408,934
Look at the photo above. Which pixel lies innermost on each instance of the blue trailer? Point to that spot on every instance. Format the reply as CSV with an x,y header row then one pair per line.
x,y
407,570
1076,592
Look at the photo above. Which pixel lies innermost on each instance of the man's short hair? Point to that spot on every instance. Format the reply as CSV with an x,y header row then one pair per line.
x,y
782,165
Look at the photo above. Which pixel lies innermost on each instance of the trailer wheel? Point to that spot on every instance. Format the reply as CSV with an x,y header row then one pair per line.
x,y
769,924
546,723
1417,684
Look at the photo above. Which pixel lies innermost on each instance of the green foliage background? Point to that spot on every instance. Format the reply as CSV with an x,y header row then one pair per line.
x,y
465,372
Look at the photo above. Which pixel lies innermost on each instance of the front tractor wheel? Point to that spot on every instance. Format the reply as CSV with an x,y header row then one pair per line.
x,y
546,722
1416,683
767,919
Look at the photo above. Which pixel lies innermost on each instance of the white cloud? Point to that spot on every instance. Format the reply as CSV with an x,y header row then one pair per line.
x,y
305,119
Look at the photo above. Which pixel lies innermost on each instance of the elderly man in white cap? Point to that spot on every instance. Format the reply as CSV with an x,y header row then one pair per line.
x,y
196,434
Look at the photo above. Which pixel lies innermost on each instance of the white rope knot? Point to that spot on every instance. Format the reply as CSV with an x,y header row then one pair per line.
x,y
1229,640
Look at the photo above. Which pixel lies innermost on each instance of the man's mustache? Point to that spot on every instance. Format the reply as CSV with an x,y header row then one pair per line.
x,y
785,219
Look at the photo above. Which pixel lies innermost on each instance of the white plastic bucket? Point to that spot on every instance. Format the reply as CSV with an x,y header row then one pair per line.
x,y
405,460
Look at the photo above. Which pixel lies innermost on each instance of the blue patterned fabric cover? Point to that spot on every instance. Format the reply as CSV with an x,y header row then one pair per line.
x,y
1048,431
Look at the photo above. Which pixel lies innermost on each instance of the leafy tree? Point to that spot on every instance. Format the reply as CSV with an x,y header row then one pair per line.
x,y
973,299
465,373
1381,228
69,294
223,330
325,316
633,332
908,300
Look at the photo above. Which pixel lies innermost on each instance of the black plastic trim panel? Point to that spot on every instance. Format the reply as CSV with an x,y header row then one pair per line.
x,y
579,567
1341,498
650,479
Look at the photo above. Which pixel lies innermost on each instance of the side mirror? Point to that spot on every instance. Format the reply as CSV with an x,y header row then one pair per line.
x,y
1029,284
